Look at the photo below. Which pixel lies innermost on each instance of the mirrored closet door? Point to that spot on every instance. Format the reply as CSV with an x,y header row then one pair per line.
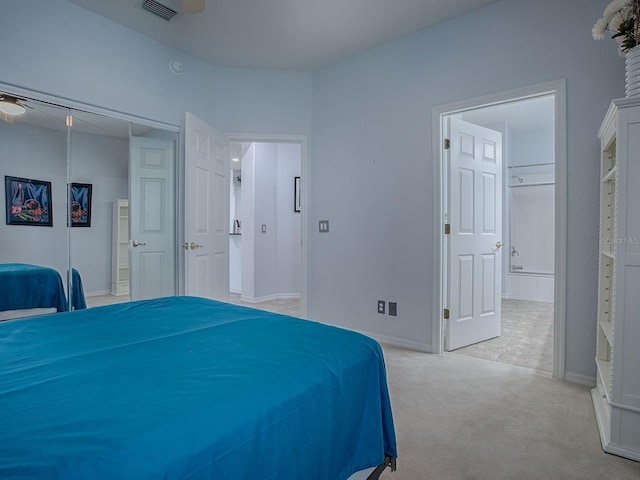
x,y
105,187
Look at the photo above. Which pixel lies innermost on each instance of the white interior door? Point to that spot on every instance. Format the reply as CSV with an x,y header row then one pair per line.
x,y
475,238
206,227
152,218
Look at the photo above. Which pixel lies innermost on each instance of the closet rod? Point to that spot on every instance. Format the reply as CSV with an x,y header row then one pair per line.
x,y
532,184
532,165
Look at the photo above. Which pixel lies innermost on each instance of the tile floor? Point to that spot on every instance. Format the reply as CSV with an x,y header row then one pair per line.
x,y
526,340
289,306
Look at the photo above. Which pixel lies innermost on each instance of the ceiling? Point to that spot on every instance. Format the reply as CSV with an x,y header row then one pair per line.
x,y
282,34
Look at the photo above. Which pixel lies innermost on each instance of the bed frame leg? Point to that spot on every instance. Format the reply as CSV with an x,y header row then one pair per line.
x,y
388,462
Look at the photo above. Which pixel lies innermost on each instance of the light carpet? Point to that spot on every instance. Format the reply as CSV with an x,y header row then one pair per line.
x,y
465,418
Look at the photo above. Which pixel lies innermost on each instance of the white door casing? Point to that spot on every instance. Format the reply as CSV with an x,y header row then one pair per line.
x,y
475,239
206,219
152,218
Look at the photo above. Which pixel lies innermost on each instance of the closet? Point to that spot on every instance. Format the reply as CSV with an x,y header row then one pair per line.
x,y
67,148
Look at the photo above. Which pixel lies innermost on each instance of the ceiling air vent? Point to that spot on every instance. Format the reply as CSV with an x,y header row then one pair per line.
x,y
158,9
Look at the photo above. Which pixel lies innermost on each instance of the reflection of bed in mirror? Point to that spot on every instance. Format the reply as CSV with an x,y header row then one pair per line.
x,y
65,146
185,387
28,290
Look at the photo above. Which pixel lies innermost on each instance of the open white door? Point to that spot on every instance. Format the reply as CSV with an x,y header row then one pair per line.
x,y
475,239
152,218
206,219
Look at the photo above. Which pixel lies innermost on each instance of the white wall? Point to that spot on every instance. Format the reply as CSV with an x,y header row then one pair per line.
x,y
64,50
265,260
533,146
270,260
371,168
103,162
370,165
40,154
288,223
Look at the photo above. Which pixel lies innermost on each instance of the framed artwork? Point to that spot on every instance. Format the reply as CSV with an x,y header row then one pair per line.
x,y
80,204
28,202
296,194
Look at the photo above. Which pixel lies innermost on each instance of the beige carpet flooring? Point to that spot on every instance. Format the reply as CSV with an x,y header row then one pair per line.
x,y
464,418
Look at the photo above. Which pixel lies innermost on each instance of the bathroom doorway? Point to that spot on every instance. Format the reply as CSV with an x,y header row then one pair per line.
x,y
532,296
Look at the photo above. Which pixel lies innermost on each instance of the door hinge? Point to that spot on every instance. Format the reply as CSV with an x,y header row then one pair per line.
x,y
446,314
447,144
447,228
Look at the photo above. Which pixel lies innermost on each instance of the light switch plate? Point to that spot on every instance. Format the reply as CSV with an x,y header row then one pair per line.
x,y
264,228
323,226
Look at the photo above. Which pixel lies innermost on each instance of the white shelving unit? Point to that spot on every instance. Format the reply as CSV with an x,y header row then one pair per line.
x,y
616,398
120,249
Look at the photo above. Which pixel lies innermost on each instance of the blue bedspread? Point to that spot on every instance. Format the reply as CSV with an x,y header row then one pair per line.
x,y
184,387
78,301
30,286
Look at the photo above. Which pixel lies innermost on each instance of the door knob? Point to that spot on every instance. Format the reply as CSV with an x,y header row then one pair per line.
x,y
192,246
135,243
499,244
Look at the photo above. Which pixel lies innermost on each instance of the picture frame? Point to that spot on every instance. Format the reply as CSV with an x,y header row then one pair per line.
x,y
80,204
297,203
28,202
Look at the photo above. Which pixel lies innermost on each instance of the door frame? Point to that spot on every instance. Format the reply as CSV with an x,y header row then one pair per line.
x,y
439,114
301,140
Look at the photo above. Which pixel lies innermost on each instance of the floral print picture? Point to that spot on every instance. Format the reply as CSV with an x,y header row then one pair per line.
x,y
28,202
80,206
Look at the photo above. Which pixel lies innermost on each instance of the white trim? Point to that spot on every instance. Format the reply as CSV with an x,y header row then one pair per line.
x,y
97,293
558,89
302,140
268,298
560,264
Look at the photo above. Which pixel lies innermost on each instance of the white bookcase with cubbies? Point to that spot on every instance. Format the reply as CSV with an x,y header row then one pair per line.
x,y
616,398
120,249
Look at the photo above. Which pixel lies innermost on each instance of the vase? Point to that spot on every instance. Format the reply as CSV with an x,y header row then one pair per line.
x,y
632,72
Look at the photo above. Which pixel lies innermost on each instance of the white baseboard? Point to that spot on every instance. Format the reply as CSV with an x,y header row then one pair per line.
x,y
579,379
396,342
268,298
97,293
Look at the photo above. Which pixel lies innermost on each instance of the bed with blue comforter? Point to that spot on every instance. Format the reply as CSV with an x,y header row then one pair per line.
x,y
189,388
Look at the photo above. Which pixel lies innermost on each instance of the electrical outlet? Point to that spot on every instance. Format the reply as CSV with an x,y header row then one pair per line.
x,y
381,306
393,309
